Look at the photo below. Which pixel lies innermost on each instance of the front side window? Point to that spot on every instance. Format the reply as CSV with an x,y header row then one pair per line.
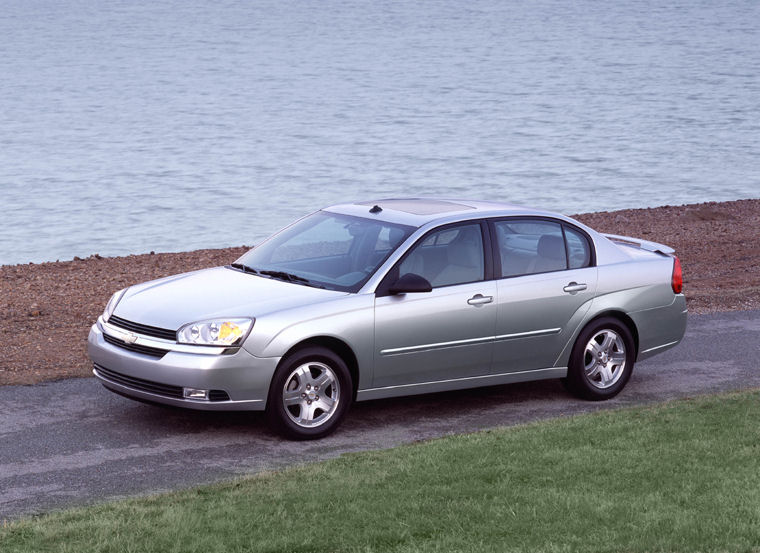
x,y
329,250
530,246
453,255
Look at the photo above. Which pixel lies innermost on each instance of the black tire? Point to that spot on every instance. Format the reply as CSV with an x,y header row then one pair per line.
x,y
596,373
302,372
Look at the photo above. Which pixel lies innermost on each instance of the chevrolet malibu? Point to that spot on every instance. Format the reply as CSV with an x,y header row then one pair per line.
x,y
394,297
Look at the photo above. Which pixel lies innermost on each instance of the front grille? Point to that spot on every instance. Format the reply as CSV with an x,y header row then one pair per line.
x,y
140,384
137,348
146,330
153,387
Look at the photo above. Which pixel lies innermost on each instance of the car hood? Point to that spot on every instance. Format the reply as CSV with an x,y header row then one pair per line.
x,y
219,292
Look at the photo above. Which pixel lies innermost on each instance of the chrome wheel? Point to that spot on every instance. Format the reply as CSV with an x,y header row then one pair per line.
x,y
604,359
311,394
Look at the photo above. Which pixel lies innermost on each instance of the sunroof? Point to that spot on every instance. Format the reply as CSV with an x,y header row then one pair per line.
x,y
419,207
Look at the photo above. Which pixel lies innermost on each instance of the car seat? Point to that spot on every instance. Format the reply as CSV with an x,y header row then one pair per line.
x,y
550,255
465,259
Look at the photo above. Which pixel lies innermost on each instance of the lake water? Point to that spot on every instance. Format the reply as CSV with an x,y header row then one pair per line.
x,y
172,125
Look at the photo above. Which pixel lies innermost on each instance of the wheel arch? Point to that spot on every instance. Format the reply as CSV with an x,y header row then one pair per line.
x,y
577,380
337,346
623,318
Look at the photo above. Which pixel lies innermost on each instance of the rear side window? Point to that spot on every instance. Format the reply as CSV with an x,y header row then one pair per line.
x,y
530,246
578,249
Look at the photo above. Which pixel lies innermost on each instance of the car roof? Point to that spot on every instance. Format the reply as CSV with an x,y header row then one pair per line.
x,y
420,211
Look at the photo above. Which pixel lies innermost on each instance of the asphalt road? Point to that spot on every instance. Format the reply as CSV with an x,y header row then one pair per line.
x,y
73,443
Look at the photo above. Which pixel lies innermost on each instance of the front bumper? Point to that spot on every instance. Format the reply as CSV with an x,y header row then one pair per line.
x,y
244,377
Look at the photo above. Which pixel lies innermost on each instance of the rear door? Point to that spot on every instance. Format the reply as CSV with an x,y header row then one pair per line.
x,y
547,280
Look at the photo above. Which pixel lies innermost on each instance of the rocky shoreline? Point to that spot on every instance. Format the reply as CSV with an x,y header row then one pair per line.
x,y
46,309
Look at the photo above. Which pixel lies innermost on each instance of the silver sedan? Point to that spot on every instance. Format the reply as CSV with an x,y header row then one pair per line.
x,y
394,297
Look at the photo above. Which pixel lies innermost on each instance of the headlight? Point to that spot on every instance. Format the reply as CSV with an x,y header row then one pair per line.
x,y
111,305
218,332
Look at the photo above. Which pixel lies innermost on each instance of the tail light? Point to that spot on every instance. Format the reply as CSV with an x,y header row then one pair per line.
x,y
676,281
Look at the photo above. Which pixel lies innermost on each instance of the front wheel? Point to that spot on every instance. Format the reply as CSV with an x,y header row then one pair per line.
x,y
602,360
310,394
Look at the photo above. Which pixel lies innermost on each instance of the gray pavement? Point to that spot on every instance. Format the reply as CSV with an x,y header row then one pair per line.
x,y
73,442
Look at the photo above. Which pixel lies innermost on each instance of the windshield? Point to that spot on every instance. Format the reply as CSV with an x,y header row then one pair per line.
x,y
327,250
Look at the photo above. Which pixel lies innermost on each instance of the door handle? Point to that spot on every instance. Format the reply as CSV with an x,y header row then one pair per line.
x,y
480,299
574,287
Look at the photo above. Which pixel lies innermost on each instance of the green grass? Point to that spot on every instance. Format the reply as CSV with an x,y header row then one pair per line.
x,y
683,476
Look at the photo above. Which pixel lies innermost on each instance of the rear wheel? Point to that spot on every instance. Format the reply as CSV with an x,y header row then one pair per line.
x,y
310,394
602,360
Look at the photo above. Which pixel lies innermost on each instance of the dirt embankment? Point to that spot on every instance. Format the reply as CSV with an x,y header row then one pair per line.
x,y
46,309
718,245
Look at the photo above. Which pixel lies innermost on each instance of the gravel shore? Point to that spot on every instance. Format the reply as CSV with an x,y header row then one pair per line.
x,y
46,309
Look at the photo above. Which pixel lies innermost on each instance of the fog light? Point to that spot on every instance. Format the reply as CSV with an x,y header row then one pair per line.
x,y
194,393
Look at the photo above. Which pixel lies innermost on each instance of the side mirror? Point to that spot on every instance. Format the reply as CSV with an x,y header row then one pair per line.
x,y
410,283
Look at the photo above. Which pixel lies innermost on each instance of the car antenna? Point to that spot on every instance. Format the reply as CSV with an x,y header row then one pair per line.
x,y
376,209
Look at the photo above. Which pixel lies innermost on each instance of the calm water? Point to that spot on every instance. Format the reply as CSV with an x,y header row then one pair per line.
x,y
172,125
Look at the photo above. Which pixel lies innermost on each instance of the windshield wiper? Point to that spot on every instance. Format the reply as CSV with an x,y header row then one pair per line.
x,y
279,275
289,277
244,268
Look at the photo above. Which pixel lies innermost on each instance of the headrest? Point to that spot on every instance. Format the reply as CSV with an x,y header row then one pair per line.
x,y
464,250
551,246
394,236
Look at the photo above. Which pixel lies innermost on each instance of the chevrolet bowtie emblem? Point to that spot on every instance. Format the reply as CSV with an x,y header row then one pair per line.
x,y
129,338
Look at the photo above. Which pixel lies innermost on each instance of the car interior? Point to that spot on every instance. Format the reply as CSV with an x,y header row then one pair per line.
x,y
449,256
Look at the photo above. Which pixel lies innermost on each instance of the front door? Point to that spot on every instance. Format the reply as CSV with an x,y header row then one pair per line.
x,y
444,334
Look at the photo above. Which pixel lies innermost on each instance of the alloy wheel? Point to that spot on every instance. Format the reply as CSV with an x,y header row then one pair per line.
x,y
604,359
311,394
